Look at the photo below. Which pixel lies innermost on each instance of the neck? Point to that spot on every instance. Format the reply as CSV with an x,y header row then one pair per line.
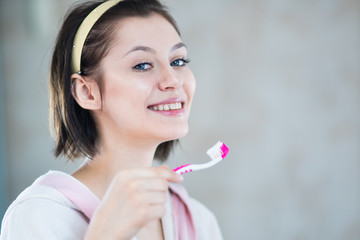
x,y
114,156
119,155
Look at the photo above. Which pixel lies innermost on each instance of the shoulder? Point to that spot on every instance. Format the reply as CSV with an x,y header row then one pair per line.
x,y
200,210
205,222
41,212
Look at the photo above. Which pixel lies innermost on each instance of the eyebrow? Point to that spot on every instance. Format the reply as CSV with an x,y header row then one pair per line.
x,y
151,50
177,46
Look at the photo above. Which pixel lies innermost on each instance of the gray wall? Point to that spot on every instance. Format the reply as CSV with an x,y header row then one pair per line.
x,y
3,177
277,81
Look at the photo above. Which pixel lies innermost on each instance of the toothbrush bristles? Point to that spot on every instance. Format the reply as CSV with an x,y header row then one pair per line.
x,y
219,150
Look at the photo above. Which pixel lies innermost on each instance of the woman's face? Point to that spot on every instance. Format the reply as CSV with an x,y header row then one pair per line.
x,y
147,85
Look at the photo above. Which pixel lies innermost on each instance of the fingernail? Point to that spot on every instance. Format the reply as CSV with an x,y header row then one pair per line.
x,y
180,177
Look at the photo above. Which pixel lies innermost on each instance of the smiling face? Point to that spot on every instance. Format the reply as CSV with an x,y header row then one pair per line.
x,y
147,87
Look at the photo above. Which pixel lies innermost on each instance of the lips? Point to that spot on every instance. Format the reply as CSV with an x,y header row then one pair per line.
x,y
168,105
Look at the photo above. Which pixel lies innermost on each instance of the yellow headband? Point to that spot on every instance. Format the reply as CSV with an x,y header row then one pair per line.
x,y
84,30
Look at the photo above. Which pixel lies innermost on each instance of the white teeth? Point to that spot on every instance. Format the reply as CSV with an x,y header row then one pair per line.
x,y
167,107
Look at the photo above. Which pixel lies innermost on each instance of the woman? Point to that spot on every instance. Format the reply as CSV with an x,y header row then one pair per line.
x,y
121,94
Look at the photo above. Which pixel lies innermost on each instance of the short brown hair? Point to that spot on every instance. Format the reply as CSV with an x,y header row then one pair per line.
x,y
74,127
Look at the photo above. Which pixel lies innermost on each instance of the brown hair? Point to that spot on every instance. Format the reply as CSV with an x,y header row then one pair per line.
x,y
74,127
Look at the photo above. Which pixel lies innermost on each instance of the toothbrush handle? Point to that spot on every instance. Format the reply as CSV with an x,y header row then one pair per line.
x,y
195,167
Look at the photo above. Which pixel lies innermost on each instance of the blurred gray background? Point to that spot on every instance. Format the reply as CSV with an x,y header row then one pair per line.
x,y
278,81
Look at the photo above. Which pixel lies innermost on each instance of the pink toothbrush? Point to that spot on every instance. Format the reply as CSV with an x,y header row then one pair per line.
x,y
217,153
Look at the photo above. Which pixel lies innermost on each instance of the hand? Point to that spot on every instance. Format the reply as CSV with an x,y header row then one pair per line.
x,y
134,198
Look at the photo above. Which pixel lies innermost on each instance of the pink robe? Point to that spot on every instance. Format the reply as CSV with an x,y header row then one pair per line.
x,y
186,219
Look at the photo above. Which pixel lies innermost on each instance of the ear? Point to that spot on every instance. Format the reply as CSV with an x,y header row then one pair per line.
x,y
86,92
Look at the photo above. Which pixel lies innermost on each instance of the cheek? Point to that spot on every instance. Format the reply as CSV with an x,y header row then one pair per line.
x,y
190,85
127,94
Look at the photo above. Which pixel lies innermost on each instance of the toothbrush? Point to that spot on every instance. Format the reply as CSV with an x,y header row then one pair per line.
x,y
217,153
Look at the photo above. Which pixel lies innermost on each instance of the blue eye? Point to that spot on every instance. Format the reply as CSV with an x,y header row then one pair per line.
x,y
179,62
143,66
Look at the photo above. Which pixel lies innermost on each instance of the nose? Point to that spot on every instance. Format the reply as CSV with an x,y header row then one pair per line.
x,y
169,80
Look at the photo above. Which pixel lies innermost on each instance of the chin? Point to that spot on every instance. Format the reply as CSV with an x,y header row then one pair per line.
x,y
177,133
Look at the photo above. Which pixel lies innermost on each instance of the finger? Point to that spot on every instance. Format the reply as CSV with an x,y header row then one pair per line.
x,y
152,172
149,198
161,172
169,175
147,172
148,184
156,212
155,184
